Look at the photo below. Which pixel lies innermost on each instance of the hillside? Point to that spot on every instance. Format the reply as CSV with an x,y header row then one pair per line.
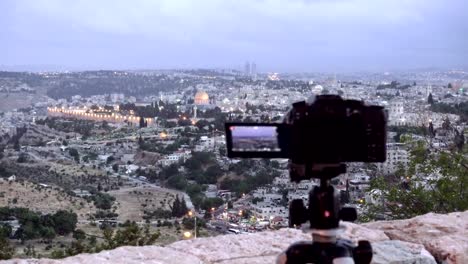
x,y
131,202
42,199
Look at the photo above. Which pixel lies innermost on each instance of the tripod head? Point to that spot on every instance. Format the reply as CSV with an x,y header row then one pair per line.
x,y
324,213
324,210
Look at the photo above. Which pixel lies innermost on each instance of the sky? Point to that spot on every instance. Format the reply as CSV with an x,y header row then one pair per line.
x,y
278,35
243,131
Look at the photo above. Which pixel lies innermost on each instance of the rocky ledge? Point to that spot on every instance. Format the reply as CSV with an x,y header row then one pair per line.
x,y
429,238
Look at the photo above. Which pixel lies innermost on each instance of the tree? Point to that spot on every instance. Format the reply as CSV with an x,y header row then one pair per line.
x,y
435,182
212,173
459,140
193,164
5,230
65,222
74,153
449,86
431,130
16,145
105,125
143,123
131,235
79,234
184,122
446,124
179,208
175,209
169,171
183,207
22,158
58,254
48,233
30,251
103,201
209,203
6,250
430,100
110,159
189,223
115,167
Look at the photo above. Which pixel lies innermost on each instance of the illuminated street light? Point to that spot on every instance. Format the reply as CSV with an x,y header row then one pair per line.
x,y
190,213
187,234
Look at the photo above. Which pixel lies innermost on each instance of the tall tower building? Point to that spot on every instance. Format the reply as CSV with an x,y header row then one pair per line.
x,y
253,69
247,68
195,112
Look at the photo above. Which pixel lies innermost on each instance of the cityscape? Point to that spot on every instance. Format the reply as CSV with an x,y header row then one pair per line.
x,y
247,131
152,156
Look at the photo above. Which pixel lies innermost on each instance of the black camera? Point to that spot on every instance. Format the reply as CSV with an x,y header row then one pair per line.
x,y
318,138
328,131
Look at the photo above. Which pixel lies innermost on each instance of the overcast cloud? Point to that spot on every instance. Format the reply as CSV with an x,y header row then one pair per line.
x,y
280,35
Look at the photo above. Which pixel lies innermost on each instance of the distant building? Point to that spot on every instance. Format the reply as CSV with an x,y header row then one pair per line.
x,y
396,154
268,211
317,89
117,97
11,178
81,193
175,157
201,98
247,68
253,69
211,191
396,109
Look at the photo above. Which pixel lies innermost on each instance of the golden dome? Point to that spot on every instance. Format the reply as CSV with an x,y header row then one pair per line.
x,y
202,97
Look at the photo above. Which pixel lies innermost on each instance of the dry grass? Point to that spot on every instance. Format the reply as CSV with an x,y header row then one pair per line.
x,y
76,170
131,202
41,199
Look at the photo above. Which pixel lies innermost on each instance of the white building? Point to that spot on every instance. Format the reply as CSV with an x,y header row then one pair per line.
x,y
396,154
396,114
265,210
182,155
205,144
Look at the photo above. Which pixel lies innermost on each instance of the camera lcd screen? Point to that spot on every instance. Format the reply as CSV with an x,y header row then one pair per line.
x,y
254,139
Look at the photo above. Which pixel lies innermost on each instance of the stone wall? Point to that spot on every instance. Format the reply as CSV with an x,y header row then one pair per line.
x,y
423,239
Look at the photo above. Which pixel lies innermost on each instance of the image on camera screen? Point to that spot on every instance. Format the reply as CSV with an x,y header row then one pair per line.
x,y
254,139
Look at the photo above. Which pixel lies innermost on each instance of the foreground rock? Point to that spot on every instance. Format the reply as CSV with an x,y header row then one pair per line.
x,y
396,251
404,241
123,255
444,236
247,248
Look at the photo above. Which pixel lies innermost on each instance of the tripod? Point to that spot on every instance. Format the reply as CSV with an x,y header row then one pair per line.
x,y
324,213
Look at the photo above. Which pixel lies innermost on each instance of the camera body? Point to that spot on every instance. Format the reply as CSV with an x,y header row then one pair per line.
x,y
328,131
